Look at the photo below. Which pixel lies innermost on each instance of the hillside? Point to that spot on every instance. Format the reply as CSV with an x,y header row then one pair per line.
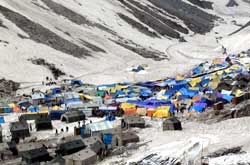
x,y
99,40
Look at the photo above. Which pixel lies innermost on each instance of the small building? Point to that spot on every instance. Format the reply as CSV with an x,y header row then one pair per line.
x,y
129,121
35,156
58,160
70,147
127,137
32,116
95,144
83,157
38,98
24,147
43,123
94,129
19,130
171,124
73,116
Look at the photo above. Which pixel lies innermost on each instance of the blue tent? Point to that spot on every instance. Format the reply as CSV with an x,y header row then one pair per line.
x,y
138,69
56,90
107,138
25,104
76,82
7,109
179,85
198,107
197,70
34,109
110,118
2,120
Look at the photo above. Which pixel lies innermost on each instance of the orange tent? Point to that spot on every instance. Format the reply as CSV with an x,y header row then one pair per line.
x,y
129,111
150,112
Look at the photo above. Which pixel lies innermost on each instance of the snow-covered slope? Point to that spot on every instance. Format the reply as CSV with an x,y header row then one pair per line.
x,y
98,40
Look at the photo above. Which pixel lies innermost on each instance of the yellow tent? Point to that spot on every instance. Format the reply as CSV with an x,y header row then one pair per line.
x,y
179,78
194,81
83,96
237,92
57,108
162,111
127,105
163,97
214,82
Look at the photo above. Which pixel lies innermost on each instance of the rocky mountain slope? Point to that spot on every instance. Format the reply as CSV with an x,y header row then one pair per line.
x,y
98,40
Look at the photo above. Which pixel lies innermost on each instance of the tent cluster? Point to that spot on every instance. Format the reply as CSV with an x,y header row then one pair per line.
x,y
222,80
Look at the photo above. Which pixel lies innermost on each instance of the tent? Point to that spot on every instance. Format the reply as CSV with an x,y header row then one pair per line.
x,y
33,109
76,82
162,113
55,90
14,107
2,120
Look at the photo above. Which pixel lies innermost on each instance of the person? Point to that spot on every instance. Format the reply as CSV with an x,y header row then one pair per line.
x,y
2,156
67,129
56,132
228,60
62,130
224,50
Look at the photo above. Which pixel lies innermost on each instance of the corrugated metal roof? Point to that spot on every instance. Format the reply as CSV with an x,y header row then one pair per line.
x,y
99,126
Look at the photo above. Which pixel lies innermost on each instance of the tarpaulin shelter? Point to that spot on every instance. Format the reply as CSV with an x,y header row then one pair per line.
x,y
101,93
181,84
6,109
56,90
197,70
25,104
198,107
163,111
2,120
76,82
34,109
138,69
14,107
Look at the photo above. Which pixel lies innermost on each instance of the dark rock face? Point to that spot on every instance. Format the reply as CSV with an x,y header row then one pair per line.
x,y
8,88
93,47
140,27
72,16
43,35
144,52
202,4
55,71
232,3
195,19
163,17
151,21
